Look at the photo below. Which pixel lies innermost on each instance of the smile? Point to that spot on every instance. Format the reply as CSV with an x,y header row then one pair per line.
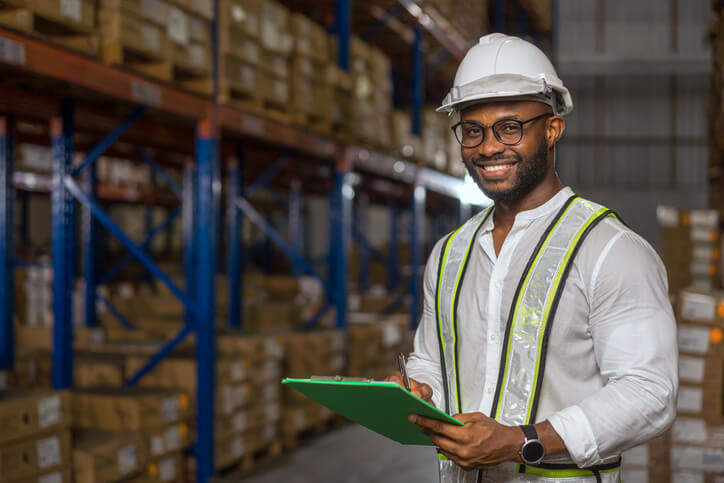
x,y
497,167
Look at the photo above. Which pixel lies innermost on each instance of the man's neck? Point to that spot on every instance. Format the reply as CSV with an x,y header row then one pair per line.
x,y
506,211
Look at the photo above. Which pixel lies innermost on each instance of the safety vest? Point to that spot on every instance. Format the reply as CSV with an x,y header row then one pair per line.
x,y
526,336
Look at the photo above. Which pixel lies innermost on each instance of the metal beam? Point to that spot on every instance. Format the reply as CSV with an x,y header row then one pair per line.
x,y
188,210
380,23
90,257
342,28
206,180
296,232
340,210
362,227
125,323
7,251
235,249
418,82
266,176
62,227
161,173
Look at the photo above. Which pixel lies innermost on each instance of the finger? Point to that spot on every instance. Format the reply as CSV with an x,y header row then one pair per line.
x,y
435,426
466,418
423,391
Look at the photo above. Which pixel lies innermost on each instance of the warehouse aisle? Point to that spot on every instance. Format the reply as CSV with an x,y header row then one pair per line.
x,y
351,454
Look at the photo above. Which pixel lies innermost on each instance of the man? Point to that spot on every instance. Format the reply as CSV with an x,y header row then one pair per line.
x,y
546,327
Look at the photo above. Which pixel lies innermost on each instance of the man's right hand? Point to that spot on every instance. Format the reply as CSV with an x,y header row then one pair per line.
x,y
419,389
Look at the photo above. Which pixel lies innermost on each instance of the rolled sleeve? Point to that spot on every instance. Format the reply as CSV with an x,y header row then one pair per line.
x,y
634,339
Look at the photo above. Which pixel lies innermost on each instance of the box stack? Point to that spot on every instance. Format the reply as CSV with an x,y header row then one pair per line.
x,y
306,354
70,23
691,247
435,139
35,442
279,311
239,57
647,463
343,101
133,34
276,49
380,74
189,33
403,142
312,85
716,112
698,434
126,432
374,343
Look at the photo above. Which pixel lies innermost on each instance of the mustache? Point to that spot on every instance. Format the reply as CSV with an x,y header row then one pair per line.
x,y
498,158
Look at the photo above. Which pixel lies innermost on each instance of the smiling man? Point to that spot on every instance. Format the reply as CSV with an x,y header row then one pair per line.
x,y
547,327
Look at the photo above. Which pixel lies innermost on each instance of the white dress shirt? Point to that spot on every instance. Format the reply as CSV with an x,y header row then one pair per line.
x,y
611,371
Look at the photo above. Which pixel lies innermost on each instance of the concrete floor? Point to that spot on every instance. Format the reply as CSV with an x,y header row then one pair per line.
x,y
350,454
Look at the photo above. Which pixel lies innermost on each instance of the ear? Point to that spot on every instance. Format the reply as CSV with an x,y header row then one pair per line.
x,y
556,126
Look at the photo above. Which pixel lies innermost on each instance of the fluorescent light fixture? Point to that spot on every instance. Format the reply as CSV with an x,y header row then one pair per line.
x,y
470,193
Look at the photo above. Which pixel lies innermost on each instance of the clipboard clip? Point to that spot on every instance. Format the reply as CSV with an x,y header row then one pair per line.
x,y
341,379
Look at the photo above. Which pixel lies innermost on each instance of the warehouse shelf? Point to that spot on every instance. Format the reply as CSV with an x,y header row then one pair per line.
x,y
70,93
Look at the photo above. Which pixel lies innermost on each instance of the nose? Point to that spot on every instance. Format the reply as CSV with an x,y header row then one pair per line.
x,y
490,145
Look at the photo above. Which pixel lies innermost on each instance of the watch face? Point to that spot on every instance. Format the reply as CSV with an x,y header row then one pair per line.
x,y
533,451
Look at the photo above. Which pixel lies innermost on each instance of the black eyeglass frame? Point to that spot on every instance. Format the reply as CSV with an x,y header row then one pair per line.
x,y
495,133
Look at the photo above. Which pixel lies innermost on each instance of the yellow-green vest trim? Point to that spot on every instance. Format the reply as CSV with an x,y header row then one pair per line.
x,y
531,314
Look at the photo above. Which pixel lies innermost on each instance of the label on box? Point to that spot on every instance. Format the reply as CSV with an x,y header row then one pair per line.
x,y
172,436
689,430
157,446
240,422
696,458
54,477
238,14
391,334
49,411
146,93
698,307
636,456
705,218
690,400
170,409
48,452
197,55
238,372
703,235
177,27
703,252
151,37
691,369
167,469
127,459
237,445
72,9
693,339
702,269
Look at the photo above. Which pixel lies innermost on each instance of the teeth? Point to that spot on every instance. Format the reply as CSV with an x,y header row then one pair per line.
x,y
496,167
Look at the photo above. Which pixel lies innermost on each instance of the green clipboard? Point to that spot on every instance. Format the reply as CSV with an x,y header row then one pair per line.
x,y
382,407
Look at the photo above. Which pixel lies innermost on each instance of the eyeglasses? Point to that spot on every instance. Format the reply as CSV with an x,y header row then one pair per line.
x,y
470,134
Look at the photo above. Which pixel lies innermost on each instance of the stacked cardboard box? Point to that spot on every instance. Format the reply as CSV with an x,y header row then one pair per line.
x,y
188,31
691,247
435,139
343,100
647,463
697,438
374,343
276,49
120,432
35,442
239,56
403,141
716,112
312,87
306,354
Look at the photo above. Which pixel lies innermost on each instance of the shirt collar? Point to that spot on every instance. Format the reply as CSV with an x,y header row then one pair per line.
x,y
553,204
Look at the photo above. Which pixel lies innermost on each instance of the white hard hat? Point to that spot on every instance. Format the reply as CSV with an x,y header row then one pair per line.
x,y
501,67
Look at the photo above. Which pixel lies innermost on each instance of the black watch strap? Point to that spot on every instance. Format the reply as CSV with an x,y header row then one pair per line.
x,y
529,432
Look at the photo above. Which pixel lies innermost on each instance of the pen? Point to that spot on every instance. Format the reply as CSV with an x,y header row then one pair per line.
x,y
403,370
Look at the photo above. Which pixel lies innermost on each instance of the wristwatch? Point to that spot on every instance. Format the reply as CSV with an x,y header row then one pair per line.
x,y
532,451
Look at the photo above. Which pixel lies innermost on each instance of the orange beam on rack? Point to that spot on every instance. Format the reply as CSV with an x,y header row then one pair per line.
x,y
277,133
47,60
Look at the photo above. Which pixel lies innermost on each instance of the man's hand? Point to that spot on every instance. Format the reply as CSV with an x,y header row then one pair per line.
x,y
481,442
419,389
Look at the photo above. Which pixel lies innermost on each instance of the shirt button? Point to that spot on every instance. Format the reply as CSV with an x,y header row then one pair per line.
x,y
490,390
499,283
492,336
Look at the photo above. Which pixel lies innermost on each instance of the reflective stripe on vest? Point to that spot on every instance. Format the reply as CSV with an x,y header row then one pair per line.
x,y
531,314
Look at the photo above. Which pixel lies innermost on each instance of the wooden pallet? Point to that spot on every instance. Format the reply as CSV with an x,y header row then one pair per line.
x,y
51,30
316,124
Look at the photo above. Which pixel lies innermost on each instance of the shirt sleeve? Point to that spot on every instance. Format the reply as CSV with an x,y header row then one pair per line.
x,y
634,338
423,365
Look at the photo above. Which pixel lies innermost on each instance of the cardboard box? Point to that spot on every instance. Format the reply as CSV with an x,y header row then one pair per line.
x,y
155,11
98,370
128,409
102,456
78,15
241,16
275,33
310,39
701,307
168,440
120,27
28,458
25,414
273,316
248,346
41,338
170,468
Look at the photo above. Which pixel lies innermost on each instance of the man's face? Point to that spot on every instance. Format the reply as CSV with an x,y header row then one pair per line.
x,y
508,173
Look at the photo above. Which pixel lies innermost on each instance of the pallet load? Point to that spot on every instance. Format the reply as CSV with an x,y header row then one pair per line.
x,y
119,433
311,86
306,354
35,443
374,343
404,143
189,32
69,23
342,99
691,247
239,56
276,50
435,139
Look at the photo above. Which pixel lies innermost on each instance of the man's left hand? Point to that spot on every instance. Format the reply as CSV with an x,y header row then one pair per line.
x,y
481,442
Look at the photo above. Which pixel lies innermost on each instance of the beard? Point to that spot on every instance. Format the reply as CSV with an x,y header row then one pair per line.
x,y
530,173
